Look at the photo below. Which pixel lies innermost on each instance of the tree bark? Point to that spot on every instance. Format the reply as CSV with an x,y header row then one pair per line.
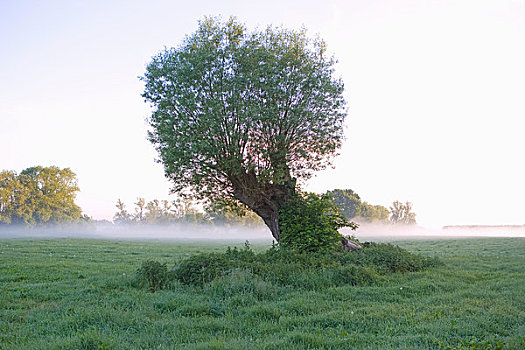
x,y
265,199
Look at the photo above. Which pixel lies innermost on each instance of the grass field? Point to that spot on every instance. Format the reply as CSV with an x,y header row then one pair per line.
x,y
78,294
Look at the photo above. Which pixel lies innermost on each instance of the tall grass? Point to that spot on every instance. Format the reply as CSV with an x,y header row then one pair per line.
x,y
80,294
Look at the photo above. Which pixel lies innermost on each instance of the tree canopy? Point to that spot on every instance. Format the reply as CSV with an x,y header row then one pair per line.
x,y
244,115
39,195
401,213
351,206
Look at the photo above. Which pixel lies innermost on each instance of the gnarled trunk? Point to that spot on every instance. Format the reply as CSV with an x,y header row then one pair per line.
x,y
265,199
270,217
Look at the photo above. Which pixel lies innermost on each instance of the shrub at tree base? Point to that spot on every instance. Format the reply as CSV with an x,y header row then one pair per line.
x,y
309,223
284,267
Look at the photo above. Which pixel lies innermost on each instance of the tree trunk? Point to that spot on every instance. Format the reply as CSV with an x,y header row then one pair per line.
x,y
271,219
265,199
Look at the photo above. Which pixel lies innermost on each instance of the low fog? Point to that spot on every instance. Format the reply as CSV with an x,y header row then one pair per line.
x,y
182,232
382,232
178,232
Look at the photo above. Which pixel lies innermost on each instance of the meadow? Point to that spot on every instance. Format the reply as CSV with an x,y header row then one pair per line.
x,y
79,294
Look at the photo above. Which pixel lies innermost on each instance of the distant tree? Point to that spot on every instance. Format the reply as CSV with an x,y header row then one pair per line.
x,y
348,202
243,115
159,212
374,213
167,212
39,195
351,206
122,216
153,213
139,210
401,213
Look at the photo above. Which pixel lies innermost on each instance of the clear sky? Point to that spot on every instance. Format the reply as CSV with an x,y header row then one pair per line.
x,y
435,89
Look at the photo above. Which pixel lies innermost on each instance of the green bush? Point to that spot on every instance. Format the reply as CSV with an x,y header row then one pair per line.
x,y
386,257
243,271
202,268
309,223
153,275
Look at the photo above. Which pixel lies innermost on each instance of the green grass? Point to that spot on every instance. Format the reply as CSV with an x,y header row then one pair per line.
x,y
78,294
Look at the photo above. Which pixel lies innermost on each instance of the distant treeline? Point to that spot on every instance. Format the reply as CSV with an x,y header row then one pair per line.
x,y
46,195
223,212
355,209
39,195
183,211
351,205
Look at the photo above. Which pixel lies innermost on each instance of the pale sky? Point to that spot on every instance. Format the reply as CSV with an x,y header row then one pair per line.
x,y
435,90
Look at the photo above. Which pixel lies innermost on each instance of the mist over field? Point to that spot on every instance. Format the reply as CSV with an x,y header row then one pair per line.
x,y
184,232
382,232
194,232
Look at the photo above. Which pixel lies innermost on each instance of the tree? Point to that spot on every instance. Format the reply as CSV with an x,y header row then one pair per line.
x,y
13,195
402,213
159,212
350,204
374,213
39,195
139,209
244,116
122,216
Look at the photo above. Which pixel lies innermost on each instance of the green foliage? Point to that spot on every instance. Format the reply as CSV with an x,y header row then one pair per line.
x,y
202,268
386,257
13,194
304,270
227,101
242,116
39,195
350,204
374,213
153,275
309,223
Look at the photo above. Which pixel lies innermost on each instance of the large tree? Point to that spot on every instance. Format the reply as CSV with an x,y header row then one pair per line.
x,y
244,115
39,195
